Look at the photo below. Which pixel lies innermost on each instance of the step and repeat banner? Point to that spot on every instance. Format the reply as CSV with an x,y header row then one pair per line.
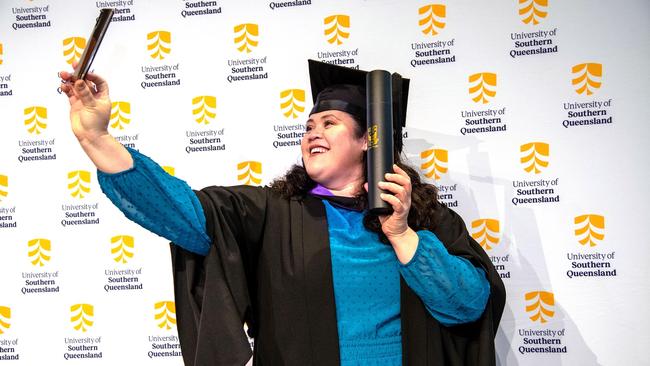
x,y
529,115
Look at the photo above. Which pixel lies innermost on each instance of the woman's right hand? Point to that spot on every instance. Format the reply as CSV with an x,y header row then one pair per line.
x,y
90,106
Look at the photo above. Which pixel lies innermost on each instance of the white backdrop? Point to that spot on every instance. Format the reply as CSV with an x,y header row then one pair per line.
x,y
527,114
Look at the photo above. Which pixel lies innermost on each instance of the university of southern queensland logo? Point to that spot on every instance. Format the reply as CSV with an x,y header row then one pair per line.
x,y
246,37
532,11
38,251
204,109
587,77
534,156
35,119
249,172
122,248
589,229
165,314
4,187
5,317
434,163
486,232
73,47
337,28
169,169
82,316
1,53
292,102
159,44
483,87
540,306
120,114
432,18
79,183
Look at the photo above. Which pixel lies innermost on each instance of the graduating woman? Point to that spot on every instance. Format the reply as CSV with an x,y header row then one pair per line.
x,y
317,279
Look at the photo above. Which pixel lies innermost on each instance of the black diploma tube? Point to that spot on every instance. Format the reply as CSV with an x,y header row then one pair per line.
x,y
103,20
380,137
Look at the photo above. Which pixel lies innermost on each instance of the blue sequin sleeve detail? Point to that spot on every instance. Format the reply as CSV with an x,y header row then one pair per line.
x,y
159,202
453,290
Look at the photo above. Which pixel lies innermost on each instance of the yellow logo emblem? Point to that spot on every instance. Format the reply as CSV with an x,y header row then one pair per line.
x,y
170,170
435,163
246,36
5,316
204,109
486,232
4,187
38,251
165,314
73,47
532,11
159,44
79,183
587,77
534,156
482,86
590,229
337,28
249,172
122,248
82,316
35,119
1,53
120,114
540,305
292,102
432,18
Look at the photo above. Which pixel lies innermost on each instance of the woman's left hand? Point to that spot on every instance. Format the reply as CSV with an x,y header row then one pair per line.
x,y
398,186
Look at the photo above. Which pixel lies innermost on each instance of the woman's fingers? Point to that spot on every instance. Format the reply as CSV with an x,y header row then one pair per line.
x,y
83,92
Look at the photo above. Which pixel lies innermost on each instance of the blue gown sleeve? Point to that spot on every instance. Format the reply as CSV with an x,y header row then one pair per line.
x,y
159,202
453,290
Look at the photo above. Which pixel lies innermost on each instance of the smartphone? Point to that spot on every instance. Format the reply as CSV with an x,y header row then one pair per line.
x,y
103,20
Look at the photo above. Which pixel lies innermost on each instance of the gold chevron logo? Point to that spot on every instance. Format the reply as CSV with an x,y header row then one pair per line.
x,y
120,114
590,228
486,232
432,18
159,44
435,163
73,47
246,37
292,102
532,11
170,170
204,109
5,317
337,28
122,248
81,316
587,77
249,172
38,251
534,156
540,305
35,119
1,53
165,314
79,183
483,87
4,187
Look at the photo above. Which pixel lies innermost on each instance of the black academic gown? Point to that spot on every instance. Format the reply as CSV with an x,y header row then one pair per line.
x,y
269,266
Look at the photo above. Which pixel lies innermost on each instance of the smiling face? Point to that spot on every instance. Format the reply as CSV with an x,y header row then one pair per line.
x,y
333,148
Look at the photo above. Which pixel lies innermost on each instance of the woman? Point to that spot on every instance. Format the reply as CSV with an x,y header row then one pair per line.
x,y
299,261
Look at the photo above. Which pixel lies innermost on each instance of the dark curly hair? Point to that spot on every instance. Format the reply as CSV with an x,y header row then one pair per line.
x,y
296,183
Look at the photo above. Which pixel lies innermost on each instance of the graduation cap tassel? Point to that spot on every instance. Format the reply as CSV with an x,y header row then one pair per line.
x,y
379,93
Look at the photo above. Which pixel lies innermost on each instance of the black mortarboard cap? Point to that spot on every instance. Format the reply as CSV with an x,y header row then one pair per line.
x,y
341,88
